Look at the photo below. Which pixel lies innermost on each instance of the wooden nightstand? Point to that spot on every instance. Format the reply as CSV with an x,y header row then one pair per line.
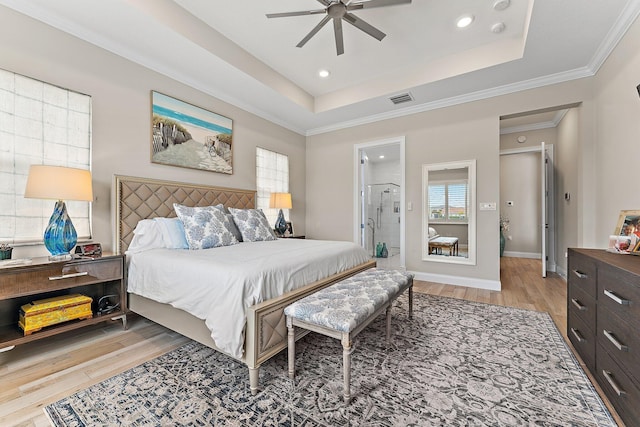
x,y
22,283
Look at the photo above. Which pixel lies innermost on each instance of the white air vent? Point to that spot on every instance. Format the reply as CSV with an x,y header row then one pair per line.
x,y
403,97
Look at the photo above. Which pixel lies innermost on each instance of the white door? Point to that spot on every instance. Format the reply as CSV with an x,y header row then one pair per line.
x,y
543,204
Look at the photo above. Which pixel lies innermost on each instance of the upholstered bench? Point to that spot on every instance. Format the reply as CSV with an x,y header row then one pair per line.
x,y
345,308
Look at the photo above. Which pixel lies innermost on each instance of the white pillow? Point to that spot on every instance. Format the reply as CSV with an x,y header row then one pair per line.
x,y
432,232
147,235
158,233
172,233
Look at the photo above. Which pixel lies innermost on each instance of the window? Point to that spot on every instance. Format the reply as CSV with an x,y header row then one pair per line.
x,y
448,201
272,175
39,124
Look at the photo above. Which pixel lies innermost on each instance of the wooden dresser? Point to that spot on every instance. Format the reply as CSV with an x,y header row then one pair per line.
x,y
603,323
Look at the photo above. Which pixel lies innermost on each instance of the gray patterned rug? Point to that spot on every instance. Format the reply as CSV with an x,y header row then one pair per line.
x,y
456,363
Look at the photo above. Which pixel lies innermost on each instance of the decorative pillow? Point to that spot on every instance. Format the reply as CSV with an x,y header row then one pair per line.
x,y
432,232
253,225
205,227
172,233
232,225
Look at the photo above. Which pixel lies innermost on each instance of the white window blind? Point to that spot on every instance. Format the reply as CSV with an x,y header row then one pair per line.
x,y
448,201
272,176
39,124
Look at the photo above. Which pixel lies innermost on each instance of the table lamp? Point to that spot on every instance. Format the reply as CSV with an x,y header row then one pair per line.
x,y
280,201
59,183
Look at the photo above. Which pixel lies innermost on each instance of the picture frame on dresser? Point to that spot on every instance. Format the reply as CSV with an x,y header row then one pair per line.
x,y
628,222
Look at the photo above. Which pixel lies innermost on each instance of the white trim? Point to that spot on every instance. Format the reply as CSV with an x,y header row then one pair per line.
x,y
514,254
469,282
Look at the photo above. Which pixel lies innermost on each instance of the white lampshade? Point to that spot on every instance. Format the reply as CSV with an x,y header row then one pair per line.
x,y
58,183
280,201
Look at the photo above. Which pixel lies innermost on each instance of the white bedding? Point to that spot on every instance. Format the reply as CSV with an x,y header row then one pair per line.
x,y
219,284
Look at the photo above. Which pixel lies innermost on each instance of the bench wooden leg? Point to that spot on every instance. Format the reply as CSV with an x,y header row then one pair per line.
x,y
347,349
411,301
254,378
389,323
291,349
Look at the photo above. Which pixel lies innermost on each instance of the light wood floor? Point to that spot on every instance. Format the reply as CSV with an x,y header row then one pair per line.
x,y
36,374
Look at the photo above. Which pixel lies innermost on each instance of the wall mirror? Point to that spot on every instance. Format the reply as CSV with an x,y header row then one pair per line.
x,y
448,212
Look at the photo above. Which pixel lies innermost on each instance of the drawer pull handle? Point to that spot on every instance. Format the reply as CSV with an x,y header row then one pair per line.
x,y
577,304
612,382
580,274
68,276
616,298
615,341
576,334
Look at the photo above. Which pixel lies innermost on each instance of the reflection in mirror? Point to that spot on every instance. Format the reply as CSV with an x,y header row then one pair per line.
x,y
448,231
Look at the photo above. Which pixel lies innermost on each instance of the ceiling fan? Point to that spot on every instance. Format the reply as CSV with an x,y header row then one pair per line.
x,y
339,10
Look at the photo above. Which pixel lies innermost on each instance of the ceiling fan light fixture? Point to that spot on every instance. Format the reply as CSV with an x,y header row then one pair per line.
x,y
324,74
464,21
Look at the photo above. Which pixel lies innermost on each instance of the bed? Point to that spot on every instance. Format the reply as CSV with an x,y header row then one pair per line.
x,y
264,329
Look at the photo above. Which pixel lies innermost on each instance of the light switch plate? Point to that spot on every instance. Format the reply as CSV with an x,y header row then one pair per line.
x,y
487,206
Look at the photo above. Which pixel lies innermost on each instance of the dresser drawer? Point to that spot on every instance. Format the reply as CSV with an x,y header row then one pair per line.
x,y
583,339
48,277
623,394
621,341
582,273
582,305
619,292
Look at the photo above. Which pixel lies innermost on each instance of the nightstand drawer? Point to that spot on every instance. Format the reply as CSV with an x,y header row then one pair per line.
x,y
48,277
582,273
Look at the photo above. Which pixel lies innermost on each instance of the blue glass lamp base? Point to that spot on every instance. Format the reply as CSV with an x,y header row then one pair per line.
x,y
60,235
281,224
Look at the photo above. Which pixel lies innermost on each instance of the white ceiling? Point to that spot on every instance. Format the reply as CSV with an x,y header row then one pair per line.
x,y
230,50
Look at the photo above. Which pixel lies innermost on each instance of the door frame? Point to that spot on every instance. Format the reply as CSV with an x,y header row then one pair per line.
x,y
551,264
358,224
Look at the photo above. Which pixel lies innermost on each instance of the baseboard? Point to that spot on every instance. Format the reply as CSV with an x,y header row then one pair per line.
x,y
469,282
522,254
561,272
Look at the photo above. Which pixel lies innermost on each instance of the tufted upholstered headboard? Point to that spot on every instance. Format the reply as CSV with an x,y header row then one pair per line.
x,y
142,198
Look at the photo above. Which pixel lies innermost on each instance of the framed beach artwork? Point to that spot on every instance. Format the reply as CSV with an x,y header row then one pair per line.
x,y
188,136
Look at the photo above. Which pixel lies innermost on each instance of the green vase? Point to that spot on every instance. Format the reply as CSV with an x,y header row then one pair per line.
x,y
502,241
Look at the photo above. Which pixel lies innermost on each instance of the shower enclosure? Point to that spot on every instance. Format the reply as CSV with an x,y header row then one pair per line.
x,y
382,210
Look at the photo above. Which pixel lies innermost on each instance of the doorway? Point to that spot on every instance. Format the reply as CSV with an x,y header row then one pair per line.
x,y
379,188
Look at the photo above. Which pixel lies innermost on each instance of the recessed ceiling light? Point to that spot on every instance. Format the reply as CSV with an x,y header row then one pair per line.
x,y
498,27
464,21
501,4
381,156
324,74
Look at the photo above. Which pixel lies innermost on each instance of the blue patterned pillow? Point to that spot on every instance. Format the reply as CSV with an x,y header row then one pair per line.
x,y
205,227
253,225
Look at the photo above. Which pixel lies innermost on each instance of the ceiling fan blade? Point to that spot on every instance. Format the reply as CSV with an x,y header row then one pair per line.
x,y
325,2
301,13
337,29
375,3
364,26
314,31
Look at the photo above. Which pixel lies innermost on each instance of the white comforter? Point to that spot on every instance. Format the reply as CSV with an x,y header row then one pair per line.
x,y
218,284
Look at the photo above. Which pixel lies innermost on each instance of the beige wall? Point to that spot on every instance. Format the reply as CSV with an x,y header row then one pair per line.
x,y
566,181
617,134
468,131
121,100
